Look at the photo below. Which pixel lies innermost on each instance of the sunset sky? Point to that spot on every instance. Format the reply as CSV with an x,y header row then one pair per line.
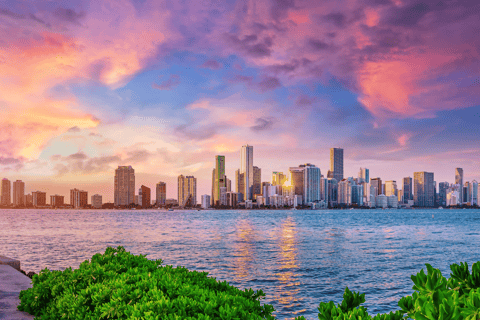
x,y
164,86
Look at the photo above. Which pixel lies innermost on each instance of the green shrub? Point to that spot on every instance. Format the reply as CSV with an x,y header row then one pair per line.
x,y
119,285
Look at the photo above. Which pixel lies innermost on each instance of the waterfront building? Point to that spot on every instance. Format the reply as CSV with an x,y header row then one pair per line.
x,y
78,198
39,199
223,196
345,192
474,192
453,197
297,179
297,200
28,200
57,201
373,195
424,195
376,183
357,194
246,167
288,191
18,193
381,201
257,180
332,192
187,191
232,199
137,200
467,192
336,163
96,201
278,178
459,181
161,193
391,188
364,175
400,196
311,183
124,186
205,201
260,200
171,202
442,193
145,194
392,201
6,198
218,178
407,189
240,182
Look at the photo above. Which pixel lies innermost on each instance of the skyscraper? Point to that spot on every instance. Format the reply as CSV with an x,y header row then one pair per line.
x,y
19,193
146,196
459,181
161,194
57,201
39,198
474,192
376,183
257,180
336,163
424,194
78,198
124,193
6,195
442,193
407,189
345,192
297,179
278,178
240,183
218,178
364,175
391,188
187,191
246,167
311,183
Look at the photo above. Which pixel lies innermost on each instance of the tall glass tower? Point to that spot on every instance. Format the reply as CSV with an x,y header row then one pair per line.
x,y
336,163
246,167
459,181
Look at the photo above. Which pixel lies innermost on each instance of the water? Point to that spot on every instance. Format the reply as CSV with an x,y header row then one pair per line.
x,y
298,258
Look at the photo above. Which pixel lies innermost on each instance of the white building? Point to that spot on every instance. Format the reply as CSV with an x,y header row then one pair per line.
x,y
205,201
392,201
381,201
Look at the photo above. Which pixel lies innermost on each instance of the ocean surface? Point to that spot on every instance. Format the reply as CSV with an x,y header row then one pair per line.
x,y
298,258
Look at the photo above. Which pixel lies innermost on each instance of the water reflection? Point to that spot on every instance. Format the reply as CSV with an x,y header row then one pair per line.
x,y
244,250
288,288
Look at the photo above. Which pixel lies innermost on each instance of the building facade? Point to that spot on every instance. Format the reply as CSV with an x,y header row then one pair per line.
x,y
377,184
364,175
336,163
19,193
297,179
39,199
246,167
311,183
97,201
161,193
424,189
124,188
146,195
459,181
257,181
78,198
187,191
407,189
57,201
6,198
391,188
218,178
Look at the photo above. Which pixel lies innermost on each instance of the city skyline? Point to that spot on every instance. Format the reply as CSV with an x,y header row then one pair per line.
x,y
164,86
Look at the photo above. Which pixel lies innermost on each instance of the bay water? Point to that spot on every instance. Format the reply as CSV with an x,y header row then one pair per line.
x,y
298,258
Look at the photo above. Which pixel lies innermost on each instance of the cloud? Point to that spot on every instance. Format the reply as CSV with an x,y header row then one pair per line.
x,y
262,124
249,45
171,82
211,64
337,18
74,129
69,15
269,83
11,14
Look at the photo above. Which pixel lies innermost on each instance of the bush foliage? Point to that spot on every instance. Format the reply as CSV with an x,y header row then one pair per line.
x,y
119,285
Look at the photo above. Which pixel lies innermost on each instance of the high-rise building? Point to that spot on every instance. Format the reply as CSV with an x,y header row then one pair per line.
x,y
345,192
459,181
205,201
97,201
124,193
376,183
467,193
357,194
332,192
424,194
187,191
278,178
474,192
364,175
407,189
240,181
311,183
297,179
146,196
442,193
336,163
18,193
161,194
39,198
246,167
391,188
28,200
6,195
257,181
218,178
57,200
78,198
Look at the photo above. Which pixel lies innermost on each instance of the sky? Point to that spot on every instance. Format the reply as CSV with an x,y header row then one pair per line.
x,y
164,86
